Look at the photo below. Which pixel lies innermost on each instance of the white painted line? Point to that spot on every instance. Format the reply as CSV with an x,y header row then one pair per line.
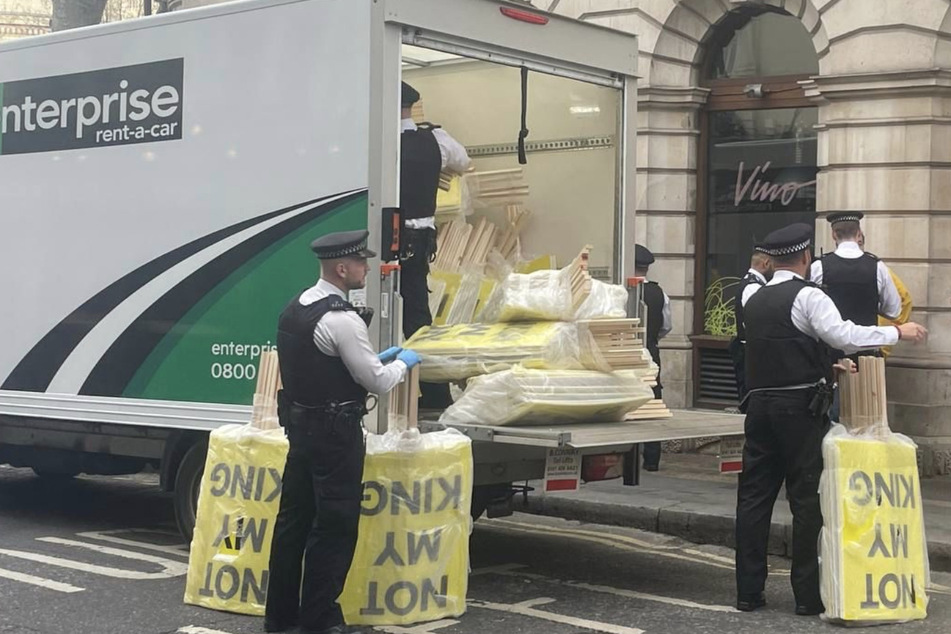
x,y
171,568
49,584
194,629
422,628
619,592
525,610
607,539
108,536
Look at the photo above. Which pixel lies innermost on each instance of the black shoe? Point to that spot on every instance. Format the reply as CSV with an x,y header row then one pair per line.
x,y
651,467
273,625
809,610
751,602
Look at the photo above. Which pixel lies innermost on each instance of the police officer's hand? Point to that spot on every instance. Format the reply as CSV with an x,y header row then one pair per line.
x,y
408,357
912,332
390,354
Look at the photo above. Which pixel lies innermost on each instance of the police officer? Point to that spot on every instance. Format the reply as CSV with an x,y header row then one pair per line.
x,y
790,325
425,151
761,268
658,325
327,368
858,282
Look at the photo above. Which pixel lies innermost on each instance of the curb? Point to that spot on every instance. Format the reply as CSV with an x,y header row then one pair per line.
x,y
700,528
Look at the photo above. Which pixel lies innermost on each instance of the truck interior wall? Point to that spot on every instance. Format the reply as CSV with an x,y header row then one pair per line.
x,y
572,192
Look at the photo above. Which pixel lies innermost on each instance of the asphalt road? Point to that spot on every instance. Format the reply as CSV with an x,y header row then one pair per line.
x,y
100,556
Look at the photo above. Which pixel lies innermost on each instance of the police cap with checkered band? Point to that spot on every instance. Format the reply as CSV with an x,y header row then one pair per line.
x,y
342,244
787,241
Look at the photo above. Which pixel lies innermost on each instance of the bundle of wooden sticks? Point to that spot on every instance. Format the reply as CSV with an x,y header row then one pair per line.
x,y
862,395
264,410
403,411
460,245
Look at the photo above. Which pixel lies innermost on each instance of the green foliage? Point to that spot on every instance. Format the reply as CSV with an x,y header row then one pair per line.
x,y
718,317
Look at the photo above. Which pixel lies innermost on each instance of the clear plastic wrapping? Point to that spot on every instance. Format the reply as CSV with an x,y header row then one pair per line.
x,y
548,397
538,296
237,504
873,553
412,560
453,353
605,301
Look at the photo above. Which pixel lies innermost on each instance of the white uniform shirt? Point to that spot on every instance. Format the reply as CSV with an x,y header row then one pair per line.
x,y
668,322
751,289
344,334
814,314
889,301
455,160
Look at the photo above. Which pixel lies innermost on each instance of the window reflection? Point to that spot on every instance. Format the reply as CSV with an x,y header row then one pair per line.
x,y
762,176
768,44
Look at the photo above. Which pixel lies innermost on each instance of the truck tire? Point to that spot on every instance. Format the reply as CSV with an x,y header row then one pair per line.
x,y
55,473
187,485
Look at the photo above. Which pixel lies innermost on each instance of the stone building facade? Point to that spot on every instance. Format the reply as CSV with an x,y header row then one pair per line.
x,y
871,81
755,113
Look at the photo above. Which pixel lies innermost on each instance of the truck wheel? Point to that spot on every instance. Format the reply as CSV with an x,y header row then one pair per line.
x,y
55,473
187,485
495,499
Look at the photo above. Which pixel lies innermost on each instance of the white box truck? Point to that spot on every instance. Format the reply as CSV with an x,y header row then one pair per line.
x,y
161,179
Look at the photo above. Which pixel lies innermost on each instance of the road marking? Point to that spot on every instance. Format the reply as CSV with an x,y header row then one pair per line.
x,y
49,584
194,629
109,536
624,542
516,570
526,608
939,589
609,539
169,570
422,628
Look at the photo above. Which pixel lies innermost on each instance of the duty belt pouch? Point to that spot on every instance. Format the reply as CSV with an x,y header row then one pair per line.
x,y
283,409
418,243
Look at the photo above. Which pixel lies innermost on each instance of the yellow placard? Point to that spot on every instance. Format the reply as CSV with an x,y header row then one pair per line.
x,y
237,505
451,199
879,566
543,263
412,558
439,339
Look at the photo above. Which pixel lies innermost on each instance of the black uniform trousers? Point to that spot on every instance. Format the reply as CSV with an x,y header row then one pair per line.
x,y
418,247
652,449
783,441
316,525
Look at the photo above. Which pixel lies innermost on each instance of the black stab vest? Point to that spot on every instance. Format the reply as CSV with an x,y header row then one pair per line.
x,y
420,164
777,353
310,377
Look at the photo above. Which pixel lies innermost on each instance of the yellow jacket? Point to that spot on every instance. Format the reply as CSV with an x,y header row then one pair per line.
x,y
905,313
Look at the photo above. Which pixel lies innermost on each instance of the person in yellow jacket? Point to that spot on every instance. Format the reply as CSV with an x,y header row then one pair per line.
x,y
903,293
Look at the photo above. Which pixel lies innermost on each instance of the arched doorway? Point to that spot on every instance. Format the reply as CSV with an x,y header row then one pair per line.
x,y
757,170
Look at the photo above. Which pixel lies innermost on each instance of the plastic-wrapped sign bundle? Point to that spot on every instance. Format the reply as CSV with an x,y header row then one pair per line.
x,y
874,559
412,559
549,397
239,499
452,353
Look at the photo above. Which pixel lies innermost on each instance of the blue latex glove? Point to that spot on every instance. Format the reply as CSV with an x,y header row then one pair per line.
x,y
389,354
408,357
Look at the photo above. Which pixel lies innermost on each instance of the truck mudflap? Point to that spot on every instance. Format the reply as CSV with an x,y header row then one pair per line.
x,y
609,437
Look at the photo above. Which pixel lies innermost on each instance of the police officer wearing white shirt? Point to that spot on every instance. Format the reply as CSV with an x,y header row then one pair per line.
x,y
658,327
761,268
327,368
790,326
425,151
858,282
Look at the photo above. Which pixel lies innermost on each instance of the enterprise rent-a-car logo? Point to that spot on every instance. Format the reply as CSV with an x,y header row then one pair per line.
x,y
114,106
